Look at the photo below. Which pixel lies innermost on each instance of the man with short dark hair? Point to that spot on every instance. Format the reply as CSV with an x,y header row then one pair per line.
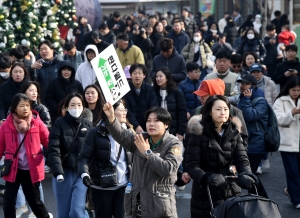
x,y
169,58
276,21
107,35
72,55
222,22
166,25
178,36
4,67
152,20
116,24
221,45
290,67
127,52
237,18
189,23
140,98
142,21
100,44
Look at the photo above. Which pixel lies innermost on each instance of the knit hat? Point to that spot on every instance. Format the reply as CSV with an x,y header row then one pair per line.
x,y
126,71
211,87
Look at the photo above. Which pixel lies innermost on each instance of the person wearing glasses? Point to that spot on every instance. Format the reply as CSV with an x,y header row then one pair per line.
x,y
99,150
236,65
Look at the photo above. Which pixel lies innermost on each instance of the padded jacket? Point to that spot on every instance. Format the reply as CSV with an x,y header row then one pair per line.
x,y
208,152
61,138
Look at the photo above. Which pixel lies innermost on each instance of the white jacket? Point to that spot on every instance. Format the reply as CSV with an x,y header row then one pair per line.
x,y
289,125
85,72
271,91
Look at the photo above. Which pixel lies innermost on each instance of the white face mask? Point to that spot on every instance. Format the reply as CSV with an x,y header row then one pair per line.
x,y
75,112
214,31
250,36
196,39
4,75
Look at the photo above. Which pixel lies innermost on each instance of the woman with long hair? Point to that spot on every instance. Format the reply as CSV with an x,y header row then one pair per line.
x,y
100,150
158,33
21,137
93,99
286,108
171,99
214,145
65,142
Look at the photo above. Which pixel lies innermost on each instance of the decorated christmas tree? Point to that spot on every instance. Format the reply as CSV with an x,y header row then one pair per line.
x,y
23,17
7,36
47,11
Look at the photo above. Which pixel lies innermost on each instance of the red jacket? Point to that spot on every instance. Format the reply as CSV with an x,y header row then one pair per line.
x,y
37,135
286,37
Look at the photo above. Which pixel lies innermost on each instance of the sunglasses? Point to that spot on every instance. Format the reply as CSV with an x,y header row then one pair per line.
x,y
236,66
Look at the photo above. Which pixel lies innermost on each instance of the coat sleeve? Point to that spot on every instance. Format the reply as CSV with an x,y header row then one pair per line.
x,y
54,153
86,153
181,73
215,48
130,115
284,118
181,113
193,159
50,98
279,74
169,164
240,158
185,51
153,68
154,101
139,59
207,49
45,117
253,113
274,93
123,136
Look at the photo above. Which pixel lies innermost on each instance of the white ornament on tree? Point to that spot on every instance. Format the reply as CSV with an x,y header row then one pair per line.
x,y
27,34
30,14
2,45
28,43
13,16
42,39
55,44
24,42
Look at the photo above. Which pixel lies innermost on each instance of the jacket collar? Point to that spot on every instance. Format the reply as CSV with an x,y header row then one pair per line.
x,y
288,98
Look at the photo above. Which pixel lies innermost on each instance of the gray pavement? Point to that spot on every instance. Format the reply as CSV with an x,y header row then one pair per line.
x,y
273,180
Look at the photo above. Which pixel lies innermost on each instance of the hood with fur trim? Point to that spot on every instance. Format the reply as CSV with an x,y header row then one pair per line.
x,y
196,128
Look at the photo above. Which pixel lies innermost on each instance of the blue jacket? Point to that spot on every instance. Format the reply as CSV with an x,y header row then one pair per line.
x,y
180,40
256,118
187,87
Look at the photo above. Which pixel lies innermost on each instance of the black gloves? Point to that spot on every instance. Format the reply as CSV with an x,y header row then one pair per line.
x,y
87,181
212,179
246,180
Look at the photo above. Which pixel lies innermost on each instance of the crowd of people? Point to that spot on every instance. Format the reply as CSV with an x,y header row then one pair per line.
x,y
199,102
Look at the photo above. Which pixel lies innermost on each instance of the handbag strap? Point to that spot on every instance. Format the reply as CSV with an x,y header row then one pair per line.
x,y
20,146
119,154
71,145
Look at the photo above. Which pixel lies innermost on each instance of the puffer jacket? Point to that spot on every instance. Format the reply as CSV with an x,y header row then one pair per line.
x,y
256,118
190,26
270,90
60,87
36,135
254,45
289,125
43,113
152,178
230,32
61,137
97,148
47,73
177,108
271,51
187,87
188,52
180,40
208,152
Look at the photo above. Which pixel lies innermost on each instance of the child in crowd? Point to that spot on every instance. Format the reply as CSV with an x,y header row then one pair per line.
x,y
286,37
189,85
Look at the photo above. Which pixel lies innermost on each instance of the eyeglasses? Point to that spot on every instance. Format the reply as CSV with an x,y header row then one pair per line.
x,y
236,66
123,110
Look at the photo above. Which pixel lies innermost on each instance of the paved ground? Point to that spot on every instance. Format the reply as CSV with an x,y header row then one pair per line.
x,y
274,181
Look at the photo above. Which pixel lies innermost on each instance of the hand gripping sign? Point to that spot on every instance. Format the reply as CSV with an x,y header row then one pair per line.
x,y
110,75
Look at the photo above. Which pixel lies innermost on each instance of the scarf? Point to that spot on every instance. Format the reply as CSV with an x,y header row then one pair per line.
x,y
222,75
22,125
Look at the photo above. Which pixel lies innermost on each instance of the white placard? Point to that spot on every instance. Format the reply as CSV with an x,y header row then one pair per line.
x,y
110,75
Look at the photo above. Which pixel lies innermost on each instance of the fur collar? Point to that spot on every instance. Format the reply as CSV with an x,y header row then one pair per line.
x,y
195,127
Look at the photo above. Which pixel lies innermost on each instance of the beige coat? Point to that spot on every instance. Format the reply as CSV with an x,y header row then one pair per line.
x,y
153,178
188,52
271,91
289,125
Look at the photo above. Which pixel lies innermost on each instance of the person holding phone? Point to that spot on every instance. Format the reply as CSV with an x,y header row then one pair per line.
x,y
252,114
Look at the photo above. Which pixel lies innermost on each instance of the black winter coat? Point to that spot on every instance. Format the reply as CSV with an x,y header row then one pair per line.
x,y
43,113
146,46
279,77
155,37
271,51
230,32
61,138
254,45
137,105
207,152
59,88
7,91
97,149
177,108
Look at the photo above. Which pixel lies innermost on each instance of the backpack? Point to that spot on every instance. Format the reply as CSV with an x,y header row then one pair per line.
x,y
272,135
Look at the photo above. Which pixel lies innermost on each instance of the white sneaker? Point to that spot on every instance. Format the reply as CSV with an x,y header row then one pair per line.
x,y
47,169
21,210
265,164
50,215
259,170
181,188
31,215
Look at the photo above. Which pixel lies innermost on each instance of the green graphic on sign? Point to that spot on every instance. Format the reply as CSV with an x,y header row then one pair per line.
x,y
105,73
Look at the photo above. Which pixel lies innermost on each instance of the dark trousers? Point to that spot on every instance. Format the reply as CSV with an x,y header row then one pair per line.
x,y
108,203
31,192
255,160
291,163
